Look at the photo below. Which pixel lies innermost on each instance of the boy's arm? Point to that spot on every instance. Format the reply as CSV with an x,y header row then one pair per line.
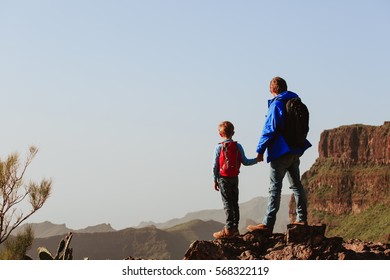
x,y
244,160
216,166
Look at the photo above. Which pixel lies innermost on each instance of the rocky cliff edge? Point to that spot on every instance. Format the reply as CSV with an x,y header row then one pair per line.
x,y
298,243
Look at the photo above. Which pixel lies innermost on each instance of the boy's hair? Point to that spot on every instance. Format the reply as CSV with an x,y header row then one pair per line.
x,y
278,85
226,128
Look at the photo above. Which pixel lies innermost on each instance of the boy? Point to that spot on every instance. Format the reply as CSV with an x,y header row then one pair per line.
x,y
228,158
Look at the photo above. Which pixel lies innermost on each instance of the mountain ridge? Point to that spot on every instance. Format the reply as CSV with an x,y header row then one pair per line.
x,y
251,212
48,229
146,243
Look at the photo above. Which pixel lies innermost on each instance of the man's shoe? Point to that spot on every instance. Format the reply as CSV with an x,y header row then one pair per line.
x,y
226,233
258,227
301,223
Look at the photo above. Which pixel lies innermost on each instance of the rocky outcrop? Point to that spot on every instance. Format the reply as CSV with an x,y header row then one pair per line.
x,y
298,243
356,145
352,172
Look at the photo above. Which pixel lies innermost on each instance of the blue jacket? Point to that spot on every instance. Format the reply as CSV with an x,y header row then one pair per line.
x,y
271,137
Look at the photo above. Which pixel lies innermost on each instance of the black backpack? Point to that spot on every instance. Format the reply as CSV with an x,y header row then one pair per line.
x,y
296,123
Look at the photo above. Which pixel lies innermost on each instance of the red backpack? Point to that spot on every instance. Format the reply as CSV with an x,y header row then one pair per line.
x,y
229,159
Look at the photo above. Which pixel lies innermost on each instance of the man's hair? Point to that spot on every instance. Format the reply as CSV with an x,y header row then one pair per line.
x,y
278,85
226,128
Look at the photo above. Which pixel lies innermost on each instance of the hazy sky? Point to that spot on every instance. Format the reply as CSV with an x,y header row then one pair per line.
x,y
123,98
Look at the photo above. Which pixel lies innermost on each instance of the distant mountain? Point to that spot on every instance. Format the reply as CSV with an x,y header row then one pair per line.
x,y
251,212
146,243
97,228
48,229
168,240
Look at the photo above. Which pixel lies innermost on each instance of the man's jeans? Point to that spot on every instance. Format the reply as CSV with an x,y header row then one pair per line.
x,y
287,163
229,193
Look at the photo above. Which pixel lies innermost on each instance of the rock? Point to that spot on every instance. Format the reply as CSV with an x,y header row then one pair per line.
x,y
350,177
352,171
356,144
299,243
304,234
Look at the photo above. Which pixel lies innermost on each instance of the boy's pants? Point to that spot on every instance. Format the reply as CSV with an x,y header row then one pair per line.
x,y
228,186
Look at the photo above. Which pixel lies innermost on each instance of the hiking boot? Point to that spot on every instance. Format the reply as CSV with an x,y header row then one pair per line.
x,y
301,223
226,233
258,227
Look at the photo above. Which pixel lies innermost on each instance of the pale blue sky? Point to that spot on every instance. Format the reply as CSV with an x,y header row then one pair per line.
x,y
123,98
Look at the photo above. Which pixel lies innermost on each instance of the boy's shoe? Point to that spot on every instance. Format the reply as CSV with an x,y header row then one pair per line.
x,y
226,233
301,223
235,231
258,227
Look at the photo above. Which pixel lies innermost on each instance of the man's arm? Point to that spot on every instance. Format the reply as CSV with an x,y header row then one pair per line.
x,y
272,122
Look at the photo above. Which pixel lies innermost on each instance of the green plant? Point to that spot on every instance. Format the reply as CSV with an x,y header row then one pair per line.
x,y
373,224
15,247
63,250
12,193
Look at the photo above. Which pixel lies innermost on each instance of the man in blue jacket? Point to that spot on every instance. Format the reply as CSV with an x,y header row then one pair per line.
x,y
283,158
